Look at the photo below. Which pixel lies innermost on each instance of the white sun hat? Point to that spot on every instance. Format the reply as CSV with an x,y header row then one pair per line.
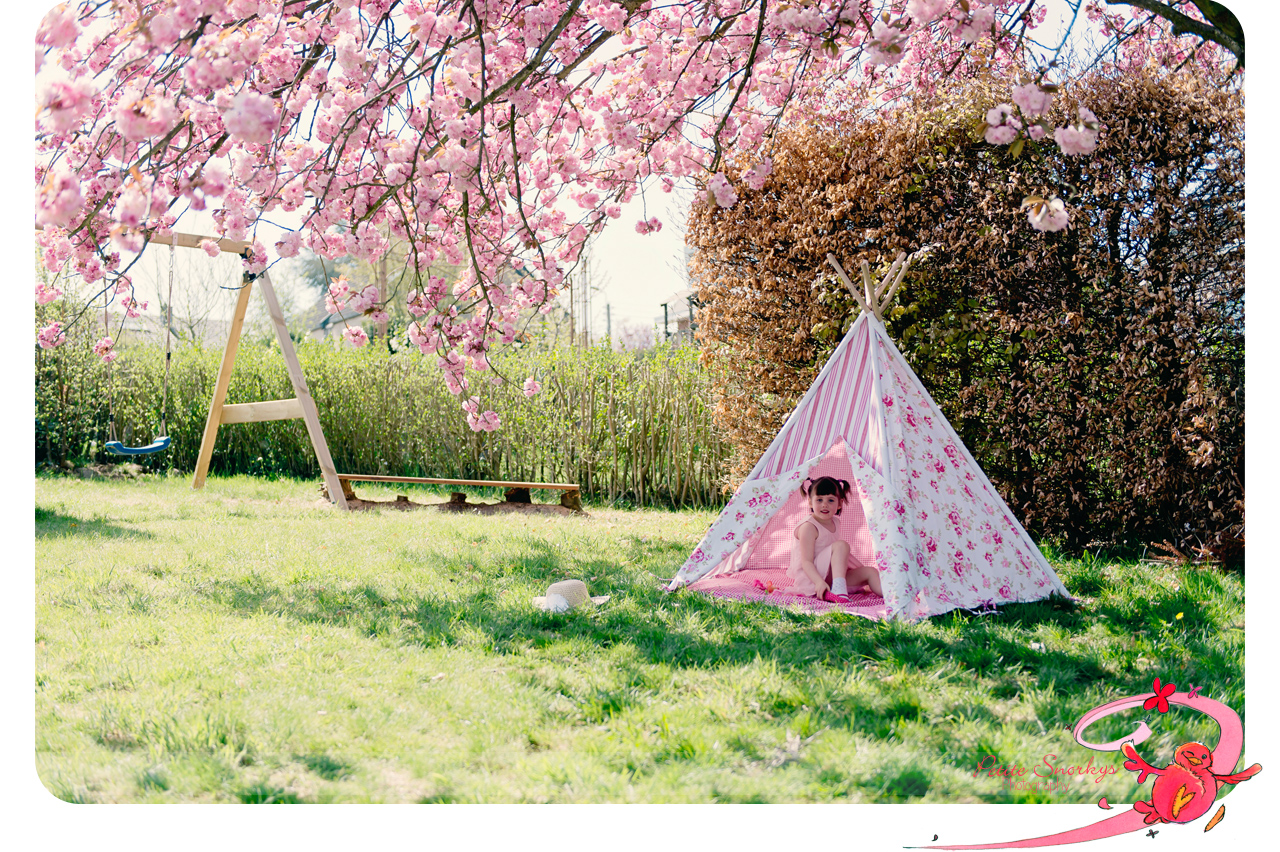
x,y
567,595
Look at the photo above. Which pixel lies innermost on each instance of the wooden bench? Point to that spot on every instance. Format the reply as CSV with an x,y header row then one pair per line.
x,y
516,492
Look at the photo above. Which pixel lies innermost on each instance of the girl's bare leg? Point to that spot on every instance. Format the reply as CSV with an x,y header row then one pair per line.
x,y
865,574
839,565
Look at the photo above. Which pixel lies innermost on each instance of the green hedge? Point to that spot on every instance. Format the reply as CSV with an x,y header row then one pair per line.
x,y
629,428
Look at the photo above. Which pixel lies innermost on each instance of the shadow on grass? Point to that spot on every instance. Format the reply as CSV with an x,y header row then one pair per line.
x,y
689,630
53,524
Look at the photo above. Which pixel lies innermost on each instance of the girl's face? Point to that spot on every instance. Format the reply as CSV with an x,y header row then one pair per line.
x,y
824,506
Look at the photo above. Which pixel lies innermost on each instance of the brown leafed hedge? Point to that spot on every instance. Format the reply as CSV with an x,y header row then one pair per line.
x,y
1096,373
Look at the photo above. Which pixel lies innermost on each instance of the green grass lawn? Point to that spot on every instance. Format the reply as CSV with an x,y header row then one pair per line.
x,y
248,643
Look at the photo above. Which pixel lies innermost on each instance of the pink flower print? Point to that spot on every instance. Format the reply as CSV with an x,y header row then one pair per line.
x,y
729,536
938,466
995,536
1006,592
933,483
910,417
931,545
958,563
969,544
952,453
739,517
899,508
954,517
753,501
888,401
990,559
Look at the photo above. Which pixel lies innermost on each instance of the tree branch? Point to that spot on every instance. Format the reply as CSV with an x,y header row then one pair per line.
x,y
1186,25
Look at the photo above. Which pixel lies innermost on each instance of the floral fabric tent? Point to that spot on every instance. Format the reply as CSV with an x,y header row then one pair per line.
x,y
925,515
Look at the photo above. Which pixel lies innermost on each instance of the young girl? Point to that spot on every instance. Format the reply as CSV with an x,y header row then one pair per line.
x,y
818,555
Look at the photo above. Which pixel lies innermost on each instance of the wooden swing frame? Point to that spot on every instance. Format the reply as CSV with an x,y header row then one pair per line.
x,y
301,405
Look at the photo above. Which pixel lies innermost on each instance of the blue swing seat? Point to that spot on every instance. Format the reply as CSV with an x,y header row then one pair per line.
x,y
154,447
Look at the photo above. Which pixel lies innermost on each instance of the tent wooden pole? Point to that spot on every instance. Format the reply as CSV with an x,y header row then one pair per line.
x,y
853,291
309,415
903,262
220,388
867,286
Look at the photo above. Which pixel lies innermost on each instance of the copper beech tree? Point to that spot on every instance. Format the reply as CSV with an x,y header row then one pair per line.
x,y
1096,372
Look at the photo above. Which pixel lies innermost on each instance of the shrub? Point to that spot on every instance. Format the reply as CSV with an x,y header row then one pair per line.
x,y
627,427
1096,373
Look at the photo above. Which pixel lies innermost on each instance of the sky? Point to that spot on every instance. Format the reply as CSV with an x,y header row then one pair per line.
x,y
639,278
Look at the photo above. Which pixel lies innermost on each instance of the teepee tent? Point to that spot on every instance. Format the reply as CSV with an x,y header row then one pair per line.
x,y
924,514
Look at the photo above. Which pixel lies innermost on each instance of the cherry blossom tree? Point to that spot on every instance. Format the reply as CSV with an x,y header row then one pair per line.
x,y
495,135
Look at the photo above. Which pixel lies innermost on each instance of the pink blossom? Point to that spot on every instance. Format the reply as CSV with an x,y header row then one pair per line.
x,y
1035,131
210,247
105,349
720,190
59,27
531,387
1002,125
58,199
46,293
252,117
979,22
886,45
1032,100
355,335
608,14
755,176
1047,214
132,207
924,11
67,102
51,335
365,299
138,118
486,422
1001,134
1081,138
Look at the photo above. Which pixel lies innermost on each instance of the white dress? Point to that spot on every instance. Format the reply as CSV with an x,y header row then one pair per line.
x,y
801,584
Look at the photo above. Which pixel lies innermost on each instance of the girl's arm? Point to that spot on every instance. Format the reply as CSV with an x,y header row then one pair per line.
x,y
806,535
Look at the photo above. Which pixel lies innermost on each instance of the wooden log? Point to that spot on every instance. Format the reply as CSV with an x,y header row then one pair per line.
x,y
489,483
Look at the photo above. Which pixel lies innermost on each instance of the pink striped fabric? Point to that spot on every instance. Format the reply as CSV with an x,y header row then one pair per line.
x,y
840,405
